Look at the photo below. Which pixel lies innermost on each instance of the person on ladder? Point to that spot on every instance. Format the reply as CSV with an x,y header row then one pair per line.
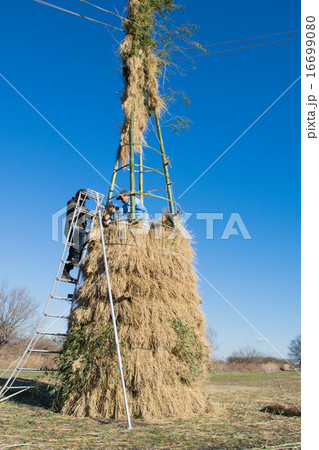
x,y
123,213
78,236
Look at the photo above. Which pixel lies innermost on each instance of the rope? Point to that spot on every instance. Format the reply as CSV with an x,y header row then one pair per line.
x,y
235,49
102,9
151,170
113,14
153,190
77,14
150,195
142,246
238,40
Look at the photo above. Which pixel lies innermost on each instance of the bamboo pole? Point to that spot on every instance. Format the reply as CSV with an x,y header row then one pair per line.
x,y
114,174
140,175
132,167
165,165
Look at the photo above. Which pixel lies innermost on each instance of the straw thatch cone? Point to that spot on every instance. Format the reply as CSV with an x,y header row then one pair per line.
x,y
140,68
160,325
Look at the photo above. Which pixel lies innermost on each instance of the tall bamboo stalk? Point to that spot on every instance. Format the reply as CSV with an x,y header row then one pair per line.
x,y
132,168
165,164
116,165
140,175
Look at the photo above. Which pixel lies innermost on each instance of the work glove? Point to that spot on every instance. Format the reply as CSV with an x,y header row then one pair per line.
x,y
109,210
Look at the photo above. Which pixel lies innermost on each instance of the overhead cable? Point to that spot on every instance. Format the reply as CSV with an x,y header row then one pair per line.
x,y
77,14
235,49
238,40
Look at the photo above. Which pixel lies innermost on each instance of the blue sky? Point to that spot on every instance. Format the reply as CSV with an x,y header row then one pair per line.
x,y
68,69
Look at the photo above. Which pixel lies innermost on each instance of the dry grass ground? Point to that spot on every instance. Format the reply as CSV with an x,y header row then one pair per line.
x,y
28,423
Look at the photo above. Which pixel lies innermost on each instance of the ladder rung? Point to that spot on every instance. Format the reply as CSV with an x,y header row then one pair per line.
x,y
35,350
57,316
90,213
69,262
19,387
51,334
71,244
80,228
61,298
66,281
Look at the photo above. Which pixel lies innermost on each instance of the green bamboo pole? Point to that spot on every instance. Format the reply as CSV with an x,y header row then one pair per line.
x,y
132,167
116,165
140,174
165,164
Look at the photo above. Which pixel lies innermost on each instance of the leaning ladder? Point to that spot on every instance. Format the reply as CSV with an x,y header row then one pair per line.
x,y
50,320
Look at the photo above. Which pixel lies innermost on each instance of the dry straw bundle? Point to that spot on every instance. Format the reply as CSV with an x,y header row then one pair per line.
x,y
140,68
160,324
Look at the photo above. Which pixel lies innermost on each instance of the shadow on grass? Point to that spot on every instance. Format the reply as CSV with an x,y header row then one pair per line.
x,y
38,395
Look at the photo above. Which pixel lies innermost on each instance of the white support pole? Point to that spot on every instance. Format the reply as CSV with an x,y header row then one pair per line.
x,y
129,426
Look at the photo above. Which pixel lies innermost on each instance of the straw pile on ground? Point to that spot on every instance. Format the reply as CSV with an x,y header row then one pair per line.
x,y
160,324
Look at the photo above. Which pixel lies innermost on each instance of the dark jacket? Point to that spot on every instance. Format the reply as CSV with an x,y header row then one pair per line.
x,y
82,218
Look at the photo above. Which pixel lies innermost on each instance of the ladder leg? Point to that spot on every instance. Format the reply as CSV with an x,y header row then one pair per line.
x,y
129,426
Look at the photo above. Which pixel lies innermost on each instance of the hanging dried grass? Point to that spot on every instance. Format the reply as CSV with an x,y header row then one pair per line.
x,y
160,324
140,70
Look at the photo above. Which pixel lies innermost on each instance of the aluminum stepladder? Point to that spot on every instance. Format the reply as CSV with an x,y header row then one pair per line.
x,y
50,317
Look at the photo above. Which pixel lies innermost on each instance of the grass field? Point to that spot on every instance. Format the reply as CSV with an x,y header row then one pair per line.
x,y
26,421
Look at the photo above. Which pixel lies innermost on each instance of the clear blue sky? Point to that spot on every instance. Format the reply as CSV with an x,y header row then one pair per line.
x,y
66,67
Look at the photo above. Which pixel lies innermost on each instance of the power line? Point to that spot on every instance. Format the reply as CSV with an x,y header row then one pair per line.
x,y
110,12
102,9
235,49
79,15
239,40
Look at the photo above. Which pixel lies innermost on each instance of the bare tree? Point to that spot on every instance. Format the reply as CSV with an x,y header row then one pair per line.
x,y
294,348
17,313
211,336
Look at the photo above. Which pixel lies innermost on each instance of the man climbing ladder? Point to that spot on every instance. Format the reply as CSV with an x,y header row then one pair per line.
x,y
78,235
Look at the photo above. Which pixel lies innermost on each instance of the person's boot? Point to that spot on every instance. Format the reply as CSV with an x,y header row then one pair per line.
x,y
75,259
66,275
